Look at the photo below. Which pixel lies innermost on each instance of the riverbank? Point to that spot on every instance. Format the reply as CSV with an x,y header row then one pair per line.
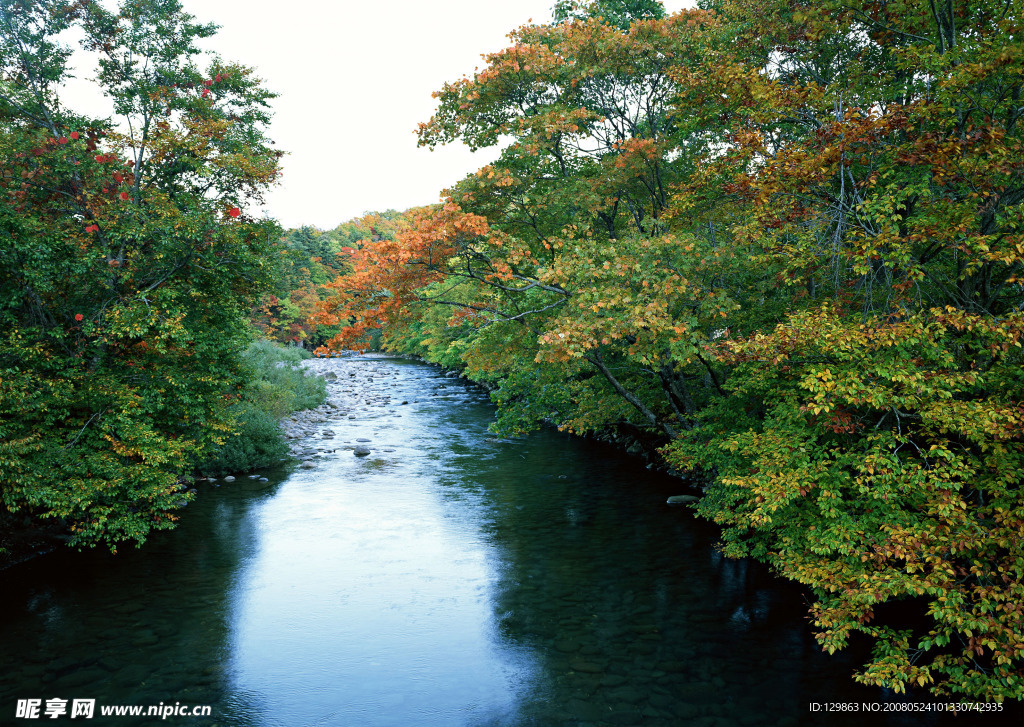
x,y
20,542
275,387
357,387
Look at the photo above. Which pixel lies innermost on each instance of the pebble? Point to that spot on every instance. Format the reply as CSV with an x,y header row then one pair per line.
x,y
587,667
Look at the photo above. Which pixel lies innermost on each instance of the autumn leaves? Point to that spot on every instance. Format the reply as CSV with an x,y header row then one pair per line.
x,y
786,243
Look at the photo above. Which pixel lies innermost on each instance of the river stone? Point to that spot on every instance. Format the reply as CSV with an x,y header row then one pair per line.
x,y
587,667
626,694
685,710
361,451
676,666
682,499
649,712
32,671
65,665
586,710
696,691
145,638
91,676
660,700
363,439
229,478
128,607
307,465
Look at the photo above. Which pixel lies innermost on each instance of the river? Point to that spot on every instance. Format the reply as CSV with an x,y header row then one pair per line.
x,y
447,578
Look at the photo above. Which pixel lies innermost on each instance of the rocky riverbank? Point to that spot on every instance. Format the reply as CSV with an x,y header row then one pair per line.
x,y
358,387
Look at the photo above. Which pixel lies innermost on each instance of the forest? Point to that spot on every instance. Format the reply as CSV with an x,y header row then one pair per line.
x,y
784,242
780,242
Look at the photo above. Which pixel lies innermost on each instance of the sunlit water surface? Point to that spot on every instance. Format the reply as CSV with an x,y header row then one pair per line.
x,y
456,579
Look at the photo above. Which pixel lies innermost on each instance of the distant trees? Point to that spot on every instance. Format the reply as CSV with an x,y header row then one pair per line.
x,y
784,240
127,266
310,258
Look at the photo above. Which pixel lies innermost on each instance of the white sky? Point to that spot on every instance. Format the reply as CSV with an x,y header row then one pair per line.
x,y
355,78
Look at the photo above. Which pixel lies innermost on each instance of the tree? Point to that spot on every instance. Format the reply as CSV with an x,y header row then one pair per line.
x,y
873,443
786,245
581,191
620,13
129,266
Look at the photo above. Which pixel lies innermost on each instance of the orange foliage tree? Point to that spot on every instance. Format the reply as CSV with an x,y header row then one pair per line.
x,y
787,244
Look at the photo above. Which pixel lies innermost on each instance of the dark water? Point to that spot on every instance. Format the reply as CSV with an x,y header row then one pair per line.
x,y
456,580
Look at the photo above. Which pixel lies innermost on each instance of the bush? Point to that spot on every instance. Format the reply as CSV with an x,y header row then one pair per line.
x,y
276,387
256,444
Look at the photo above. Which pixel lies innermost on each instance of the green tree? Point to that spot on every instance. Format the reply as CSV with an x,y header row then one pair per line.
x,y
128,267
620,13
788,246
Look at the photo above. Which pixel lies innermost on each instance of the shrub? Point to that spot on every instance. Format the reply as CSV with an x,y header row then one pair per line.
x,y
276,387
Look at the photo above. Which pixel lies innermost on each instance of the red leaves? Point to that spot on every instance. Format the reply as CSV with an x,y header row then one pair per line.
x,y
92,228
124,196
234,212
79,316
74,135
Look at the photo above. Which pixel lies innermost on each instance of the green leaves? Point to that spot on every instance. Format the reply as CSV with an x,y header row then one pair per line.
x,y
785,242
124,283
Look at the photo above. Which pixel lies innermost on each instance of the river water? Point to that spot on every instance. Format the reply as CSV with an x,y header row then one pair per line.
x,y
447,578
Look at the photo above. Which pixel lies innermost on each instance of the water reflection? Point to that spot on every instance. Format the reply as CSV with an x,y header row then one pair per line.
x,y
453,580
141,628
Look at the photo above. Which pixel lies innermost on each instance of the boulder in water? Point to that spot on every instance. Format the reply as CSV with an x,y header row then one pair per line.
x,y
682,499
